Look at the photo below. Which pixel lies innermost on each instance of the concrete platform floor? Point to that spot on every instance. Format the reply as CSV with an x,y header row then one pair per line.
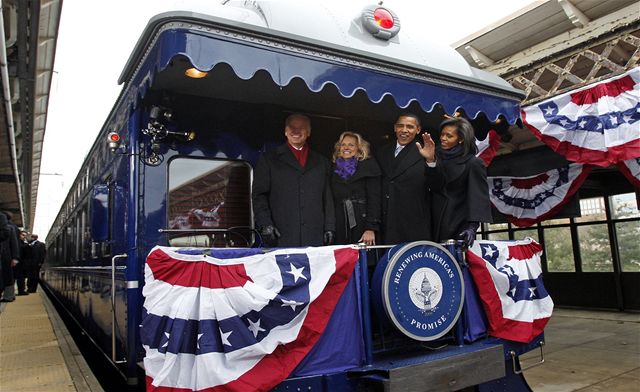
x,y
37,354
587,351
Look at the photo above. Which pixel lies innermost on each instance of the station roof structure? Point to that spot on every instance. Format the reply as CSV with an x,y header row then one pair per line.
x,y
28,44
552,47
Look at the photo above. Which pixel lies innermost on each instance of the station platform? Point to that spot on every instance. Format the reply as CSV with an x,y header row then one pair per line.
x,y
585,351
37,354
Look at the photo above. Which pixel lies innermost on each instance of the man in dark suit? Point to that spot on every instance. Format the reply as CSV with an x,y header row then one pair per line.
x,y
38,254
405,198
292,199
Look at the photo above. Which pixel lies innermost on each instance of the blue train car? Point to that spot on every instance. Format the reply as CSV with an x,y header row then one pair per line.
x,y
205,92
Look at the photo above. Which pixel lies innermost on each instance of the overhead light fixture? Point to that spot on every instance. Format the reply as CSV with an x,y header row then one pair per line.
x,y
195,73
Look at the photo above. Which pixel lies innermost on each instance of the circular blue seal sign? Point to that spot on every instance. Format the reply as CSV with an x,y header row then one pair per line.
x,y
422,290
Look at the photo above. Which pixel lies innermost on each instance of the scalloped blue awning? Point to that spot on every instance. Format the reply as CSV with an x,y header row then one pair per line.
x,y
283,65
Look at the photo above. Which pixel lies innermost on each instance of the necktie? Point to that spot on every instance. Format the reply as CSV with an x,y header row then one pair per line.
x,y
398,149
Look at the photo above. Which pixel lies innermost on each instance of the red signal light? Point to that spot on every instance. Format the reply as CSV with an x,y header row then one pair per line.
x,y
380,22
113,141
383,18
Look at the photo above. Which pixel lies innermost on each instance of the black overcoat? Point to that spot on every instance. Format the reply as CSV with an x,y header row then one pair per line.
x,y
362,190
9,250
406,212
296,200
38,252
5,257
460,194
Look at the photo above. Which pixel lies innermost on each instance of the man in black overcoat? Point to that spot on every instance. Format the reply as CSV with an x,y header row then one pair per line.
x,y
38,254
291,194
405,197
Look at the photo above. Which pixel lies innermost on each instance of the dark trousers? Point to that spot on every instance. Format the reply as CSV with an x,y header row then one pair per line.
x,y
33,277
20,274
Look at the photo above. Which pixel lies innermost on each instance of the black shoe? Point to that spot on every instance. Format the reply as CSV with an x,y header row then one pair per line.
x,y
7,300
23,293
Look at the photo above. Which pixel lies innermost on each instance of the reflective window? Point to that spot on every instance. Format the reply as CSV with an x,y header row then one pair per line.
x,y
551,222
624,206
78,239
86,236
209,203
498,226
592,209
502,235
558,249
68,244
522,234
628,234
595,250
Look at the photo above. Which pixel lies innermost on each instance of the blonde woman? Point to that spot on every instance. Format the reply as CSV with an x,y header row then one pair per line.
x,y
355,183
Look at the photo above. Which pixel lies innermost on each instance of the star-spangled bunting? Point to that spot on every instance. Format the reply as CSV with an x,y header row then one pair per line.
x,y
488,147
236,324
598,124
509,280
528,200
631,169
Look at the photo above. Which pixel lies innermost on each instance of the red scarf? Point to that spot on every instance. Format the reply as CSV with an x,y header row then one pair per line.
x,y
301,155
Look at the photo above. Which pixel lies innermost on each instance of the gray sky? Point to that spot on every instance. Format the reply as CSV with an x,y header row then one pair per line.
x,y
94,43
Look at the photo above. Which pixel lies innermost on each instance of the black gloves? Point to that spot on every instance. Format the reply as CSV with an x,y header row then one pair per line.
x,y
270,235
468,235
328,237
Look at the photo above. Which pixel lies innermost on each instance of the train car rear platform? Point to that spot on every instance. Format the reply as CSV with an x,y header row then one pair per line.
x,y
36,351
585,351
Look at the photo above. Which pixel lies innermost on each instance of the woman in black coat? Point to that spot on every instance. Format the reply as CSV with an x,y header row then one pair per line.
x,y
355,183
458,182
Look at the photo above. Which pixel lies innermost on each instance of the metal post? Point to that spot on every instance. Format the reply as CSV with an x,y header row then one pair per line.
x,y
456,251
113,306
366,314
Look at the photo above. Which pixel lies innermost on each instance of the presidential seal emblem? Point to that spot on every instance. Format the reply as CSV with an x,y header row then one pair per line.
x,y
422,290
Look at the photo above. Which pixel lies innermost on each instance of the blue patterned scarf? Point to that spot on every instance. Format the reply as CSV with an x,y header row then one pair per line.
x,y
346,167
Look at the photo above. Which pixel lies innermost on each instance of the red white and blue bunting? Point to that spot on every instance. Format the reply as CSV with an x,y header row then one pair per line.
x,y
598,124
488,147
631,169
509,280
528,200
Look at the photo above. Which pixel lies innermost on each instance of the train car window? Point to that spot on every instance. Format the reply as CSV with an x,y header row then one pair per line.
x,y
99,212
58,248
83,232
106,246
78,237
68,240
209,203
